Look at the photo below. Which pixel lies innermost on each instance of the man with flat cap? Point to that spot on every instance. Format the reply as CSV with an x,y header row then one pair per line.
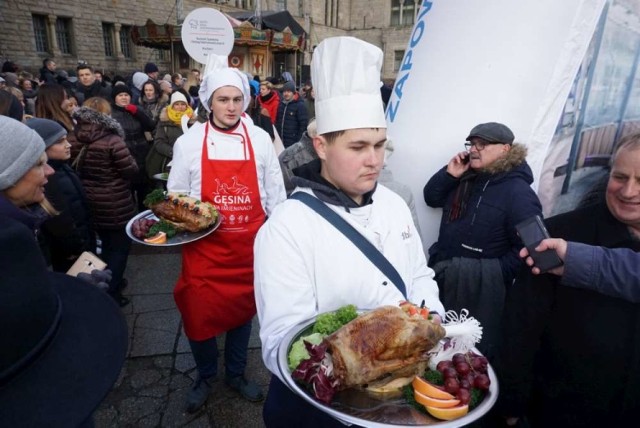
x,y
484,192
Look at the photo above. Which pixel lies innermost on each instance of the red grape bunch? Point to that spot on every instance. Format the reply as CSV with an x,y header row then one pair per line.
x,y
464,372
140,227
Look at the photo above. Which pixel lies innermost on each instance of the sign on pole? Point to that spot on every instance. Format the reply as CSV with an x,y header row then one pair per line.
x,y
206,31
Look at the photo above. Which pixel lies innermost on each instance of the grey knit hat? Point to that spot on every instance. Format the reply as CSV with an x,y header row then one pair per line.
x,y
49,130
20,147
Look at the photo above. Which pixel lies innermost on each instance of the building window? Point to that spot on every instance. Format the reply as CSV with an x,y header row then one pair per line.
x,y
403,12
40,33
281,5
107,38
398,56
125,41
63,34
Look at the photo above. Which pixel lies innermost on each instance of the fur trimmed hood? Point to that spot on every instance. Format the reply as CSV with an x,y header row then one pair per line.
x,y
514,158
93,125
100,121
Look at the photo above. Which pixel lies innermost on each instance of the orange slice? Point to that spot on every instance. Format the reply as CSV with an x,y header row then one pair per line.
x,y
449,413
160,238
430,390
425,400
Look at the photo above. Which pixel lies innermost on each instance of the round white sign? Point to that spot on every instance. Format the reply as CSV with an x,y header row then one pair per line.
x,y
206,31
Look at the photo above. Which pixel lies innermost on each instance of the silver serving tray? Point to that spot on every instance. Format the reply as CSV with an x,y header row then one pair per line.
x,y
179,239
359,407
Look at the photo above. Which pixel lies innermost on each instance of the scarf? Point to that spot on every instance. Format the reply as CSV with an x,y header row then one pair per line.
x,y
462,194
176,116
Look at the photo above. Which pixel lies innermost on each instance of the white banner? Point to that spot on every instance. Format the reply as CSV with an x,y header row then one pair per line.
x,y
474,61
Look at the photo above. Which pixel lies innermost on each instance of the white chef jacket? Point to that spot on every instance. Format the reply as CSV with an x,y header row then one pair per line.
x,y
185,175
304,266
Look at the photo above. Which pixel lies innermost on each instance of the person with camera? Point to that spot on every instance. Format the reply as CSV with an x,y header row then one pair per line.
x,y
572,357
484,192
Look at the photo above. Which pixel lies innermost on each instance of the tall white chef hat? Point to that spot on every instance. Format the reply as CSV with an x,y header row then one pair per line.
x,y
345,72
218,74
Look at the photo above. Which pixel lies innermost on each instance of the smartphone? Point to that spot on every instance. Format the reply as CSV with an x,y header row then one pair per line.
x,y
466,159
532,231
87,262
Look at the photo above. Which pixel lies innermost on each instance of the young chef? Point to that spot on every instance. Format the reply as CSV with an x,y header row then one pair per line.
x,y
304,266
233,165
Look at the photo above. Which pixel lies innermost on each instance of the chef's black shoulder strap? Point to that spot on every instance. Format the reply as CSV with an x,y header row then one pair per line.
x,y
367,248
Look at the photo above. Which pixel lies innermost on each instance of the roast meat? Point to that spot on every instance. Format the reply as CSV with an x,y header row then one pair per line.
x,y
380,345
185,212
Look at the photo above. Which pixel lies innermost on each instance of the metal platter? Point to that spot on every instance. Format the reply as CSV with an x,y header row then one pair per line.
x,y
179,239
359,407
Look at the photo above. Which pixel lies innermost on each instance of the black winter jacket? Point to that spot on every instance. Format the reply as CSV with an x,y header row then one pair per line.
x,y
500,198
134,127
95,90
291,121
69,233
571,357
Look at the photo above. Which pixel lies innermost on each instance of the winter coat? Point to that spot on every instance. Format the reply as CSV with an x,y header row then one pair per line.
x,y
161,153
291,121
310,104
69,233
500,197
134,127
261,119
106,168
47,76
154,108
571,356
271,103
305,266
294,156
94,90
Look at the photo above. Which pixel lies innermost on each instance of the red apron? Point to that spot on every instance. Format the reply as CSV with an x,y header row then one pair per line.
x,y
215,290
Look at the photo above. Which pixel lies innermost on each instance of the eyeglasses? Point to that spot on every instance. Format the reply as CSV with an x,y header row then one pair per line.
x,y
479,146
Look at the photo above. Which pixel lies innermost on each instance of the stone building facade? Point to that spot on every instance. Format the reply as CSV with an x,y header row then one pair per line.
x,y
98,32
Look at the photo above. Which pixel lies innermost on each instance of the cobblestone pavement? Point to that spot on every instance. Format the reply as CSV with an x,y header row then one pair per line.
x,y
159,369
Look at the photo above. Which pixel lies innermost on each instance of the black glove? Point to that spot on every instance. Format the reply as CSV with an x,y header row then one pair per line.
x,y
99,278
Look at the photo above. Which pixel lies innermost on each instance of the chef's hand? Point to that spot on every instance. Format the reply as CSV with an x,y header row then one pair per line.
x,y
458,164
436,319
557,244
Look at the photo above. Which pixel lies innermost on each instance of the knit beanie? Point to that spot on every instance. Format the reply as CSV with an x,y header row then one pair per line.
x,y
21,148
178,96
118,89
139,79
150,67
49,130
289,86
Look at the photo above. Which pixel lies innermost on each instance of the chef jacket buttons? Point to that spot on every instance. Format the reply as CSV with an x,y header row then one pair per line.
x,y
384,282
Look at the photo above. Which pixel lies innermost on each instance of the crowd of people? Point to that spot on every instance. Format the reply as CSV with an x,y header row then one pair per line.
x,y
81,151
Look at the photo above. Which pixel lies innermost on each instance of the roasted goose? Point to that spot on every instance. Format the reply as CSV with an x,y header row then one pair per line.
x,y
377,347
380,344
184,212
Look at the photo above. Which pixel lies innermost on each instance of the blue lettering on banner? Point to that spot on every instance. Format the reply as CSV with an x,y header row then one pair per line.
x,y
405,69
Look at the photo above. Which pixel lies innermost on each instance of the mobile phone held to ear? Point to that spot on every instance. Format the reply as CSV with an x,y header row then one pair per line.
x,y
466,159
532,231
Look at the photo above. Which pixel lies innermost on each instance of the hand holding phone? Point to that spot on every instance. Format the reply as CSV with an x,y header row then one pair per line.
x,y
87,262
466,159
532,231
